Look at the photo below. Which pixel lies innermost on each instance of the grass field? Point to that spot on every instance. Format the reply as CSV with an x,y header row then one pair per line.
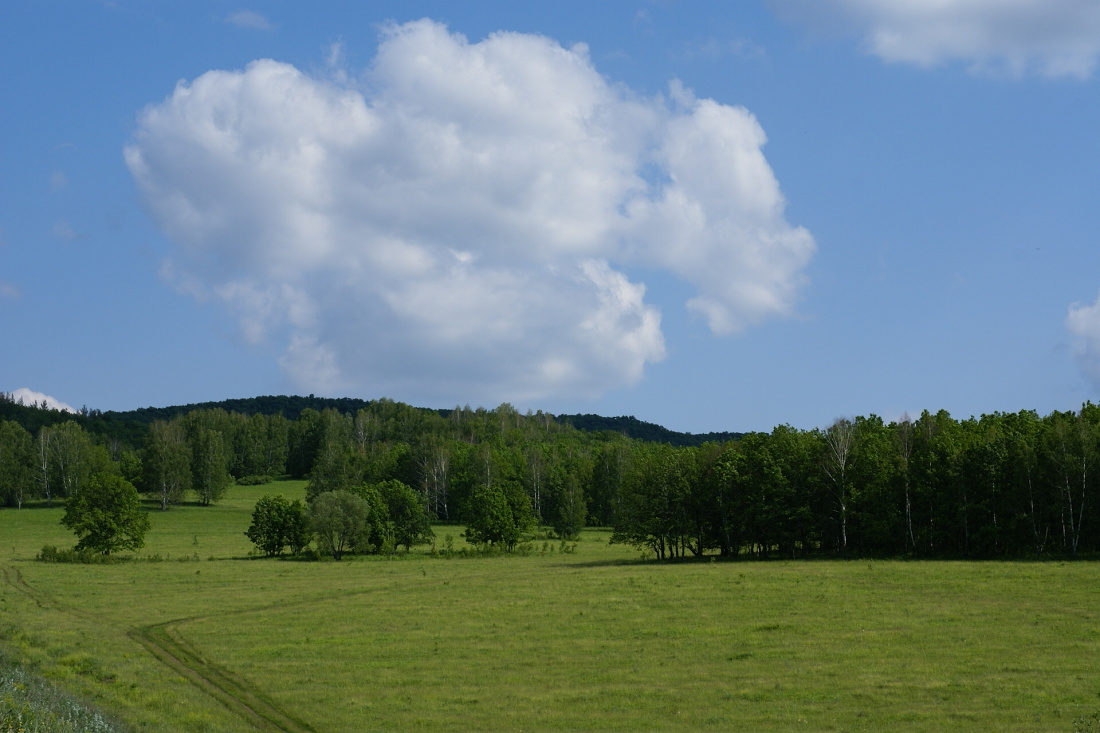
x,y
211,640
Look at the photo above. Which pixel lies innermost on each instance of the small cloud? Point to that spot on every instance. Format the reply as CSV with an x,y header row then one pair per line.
x,y
32,399
58,181
714,49
249,19
1083,323
7,290
64,231
1014,38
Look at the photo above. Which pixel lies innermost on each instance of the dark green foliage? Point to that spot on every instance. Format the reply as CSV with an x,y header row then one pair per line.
x,y
408,518
209,466
377,535
16,464
338,519
255,480
106,515
278,523
53,553
499,515
632,427
167,463
1003,485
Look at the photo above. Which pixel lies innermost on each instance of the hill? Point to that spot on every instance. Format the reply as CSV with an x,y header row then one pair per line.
x,y
130,426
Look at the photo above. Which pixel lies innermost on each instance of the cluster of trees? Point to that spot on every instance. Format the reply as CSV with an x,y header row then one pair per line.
x,y
201,452
1002,485
369,519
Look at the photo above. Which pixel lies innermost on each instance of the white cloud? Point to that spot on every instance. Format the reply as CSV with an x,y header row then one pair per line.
x,y
1083,323
459,223
249,19
1052,38
31,398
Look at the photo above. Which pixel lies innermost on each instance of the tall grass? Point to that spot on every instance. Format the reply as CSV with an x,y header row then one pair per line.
x,y
30,704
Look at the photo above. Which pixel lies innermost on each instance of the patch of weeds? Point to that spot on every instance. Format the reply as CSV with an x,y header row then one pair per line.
x,y
30,703
1087,724
51,553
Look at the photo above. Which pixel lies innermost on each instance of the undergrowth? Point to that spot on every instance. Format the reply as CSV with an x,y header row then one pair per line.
x,y
30,704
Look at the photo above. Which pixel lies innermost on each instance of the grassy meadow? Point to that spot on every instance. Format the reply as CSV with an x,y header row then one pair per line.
x,y
211,639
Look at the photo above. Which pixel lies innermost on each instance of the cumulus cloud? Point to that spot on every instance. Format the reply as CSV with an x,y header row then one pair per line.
x,y
463,220
30,397
1083,323
1052,38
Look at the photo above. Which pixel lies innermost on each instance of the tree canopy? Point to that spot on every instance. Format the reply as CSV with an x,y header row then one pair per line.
x,y
107,515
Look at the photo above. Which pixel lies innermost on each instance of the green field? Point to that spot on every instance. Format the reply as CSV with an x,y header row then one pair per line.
x,y
209,639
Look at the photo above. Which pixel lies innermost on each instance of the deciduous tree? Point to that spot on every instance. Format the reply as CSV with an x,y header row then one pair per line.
x,y
107,515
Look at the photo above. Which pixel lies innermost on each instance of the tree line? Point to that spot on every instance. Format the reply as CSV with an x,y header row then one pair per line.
x,y
1002,485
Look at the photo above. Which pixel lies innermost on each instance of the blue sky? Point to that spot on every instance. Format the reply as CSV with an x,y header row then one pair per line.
x,y
713,216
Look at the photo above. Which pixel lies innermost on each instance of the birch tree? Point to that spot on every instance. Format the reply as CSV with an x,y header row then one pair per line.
x,y
840,440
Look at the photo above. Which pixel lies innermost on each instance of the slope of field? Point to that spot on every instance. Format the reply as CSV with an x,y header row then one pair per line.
x,y
211,640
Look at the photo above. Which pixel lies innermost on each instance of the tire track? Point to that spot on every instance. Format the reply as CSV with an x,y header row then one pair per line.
x,y
166,644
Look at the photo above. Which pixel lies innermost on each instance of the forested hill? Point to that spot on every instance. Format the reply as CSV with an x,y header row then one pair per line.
x,y
632,427
131,426
289,407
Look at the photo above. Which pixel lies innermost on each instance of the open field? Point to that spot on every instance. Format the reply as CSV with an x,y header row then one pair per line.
x,y
588,641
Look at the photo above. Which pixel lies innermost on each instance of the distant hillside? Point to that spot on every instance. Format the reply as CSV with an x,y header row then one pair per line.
x,y
634,428
130,426
289,407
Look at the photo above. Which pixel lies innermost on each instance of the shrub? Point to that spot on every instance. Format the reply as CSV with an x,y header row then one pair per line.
x,y
258,479
51,553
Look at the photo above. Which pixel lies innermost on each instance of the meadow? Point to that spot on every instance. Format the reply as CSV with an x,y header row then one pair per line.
x,y
205,637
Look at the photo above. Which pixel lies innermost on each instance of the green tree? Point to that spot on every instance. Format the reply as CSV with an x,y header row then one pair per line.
x,y
491,518
278,523
167,463
16,463
407,515
107,515
338,519
209,466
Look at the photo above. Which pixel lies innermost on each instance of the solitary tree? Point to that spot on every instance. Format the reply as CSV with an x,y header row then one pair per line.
x,y
338,519
106,515
499,515
278,523
406,512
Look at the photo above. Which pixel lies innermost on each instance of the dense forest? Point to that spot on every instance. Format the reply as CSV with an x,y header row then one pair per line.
x,y
999,486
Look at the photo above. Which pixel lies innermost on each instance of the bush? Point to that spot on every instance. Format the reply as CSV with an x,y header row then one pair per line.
x,y
51,553
258,479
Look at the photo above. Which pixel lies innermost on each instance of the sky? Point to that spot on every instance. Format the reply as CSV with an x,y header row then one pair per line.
x,y
711,216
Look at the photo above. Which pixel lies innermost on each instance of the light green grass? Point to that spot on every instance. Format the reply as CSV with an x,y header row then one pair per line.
x,y
586,641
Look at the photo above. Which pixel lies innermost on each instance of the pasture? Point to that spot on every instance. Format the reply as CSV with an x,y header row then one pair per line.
x,y
209,639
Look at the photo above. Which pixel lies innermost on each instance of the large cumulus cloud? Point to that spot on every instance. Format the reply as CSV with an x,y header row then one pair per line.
x,y
458,221
1049,37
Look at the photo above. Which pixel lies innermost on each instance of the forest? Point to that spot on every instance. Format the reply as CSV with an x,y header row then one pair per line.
x,y
1006,485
